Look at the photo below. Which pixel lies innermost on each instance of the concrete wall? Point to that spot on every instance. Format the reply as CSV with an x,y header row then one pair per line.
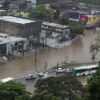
x,y
11,28
27,30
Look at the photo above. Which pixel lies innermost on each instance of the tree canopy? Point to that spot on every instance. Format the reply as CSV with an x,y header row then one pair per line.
x,y
63,20
76,28
60,88
13,91
93,87
41,13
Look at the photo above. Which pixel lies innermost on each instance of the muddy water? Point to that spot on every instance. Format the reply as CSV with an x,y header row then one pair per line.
x,y
78,52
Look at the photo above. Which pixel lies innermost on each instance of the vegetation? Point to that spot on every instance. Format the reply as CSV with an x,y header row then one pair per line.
x,y
41,13
92,91
95,48
63,20
76,28
61,88
54,88
13,91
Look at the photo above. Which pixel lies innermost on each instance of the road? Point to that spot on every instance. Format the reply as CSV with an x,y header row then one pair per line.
x,y
30,84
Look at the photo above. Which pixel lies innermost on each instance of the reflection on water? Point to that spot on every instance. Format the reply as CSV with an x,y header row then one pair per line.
x,y
78,52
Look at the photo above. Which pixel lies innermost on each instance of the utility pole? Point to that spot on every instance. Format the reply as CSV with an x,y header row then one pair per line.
x,y
46,65
57,66
35,53
23,48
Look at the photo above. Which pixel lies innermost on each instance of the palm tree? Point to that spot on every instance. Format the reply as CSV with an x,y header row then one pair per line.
x,y
94,48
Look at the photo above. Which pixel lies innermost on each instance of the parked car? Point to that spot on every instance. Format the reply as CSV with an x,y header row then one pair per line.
x,y
60,70
30,76
47,75
40,74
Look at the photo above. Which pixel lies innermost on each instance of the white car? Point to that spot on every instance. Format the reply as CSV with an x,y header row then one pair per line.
x,y
41,74
60,70
46,75
30,76
68,70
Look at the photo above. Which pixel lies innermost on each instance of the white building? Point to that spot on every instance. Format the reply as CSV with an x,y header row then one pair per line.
x,y
55,35
9,45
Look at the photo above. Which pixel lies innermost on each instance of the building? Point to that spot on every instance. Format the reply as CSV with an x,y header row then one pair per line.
x,y
43,1
11,45
3,12
20,27
54,27
5,4
91,19
74,15
55,35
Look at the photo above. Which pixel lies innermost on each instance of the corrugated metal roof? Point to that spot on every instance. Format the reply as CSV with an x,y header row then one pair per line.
x,y
15,19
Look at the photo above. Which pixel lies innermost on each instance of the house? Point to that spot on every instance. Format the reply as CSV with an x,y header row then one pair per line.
x,y
20,27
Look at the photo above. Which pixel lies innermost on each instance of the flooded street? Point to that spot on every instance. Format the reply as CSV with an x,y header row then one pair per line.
x,y
78,52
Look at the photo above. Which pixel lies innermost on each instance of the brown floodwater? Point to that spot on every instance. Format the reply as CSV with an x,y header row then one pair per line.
x,y
78,52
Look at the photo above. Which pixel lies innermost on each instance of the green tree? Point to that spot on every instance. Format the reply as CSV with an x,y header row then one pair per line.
x,y
93,87
40,96
94,48
12,91
76,28
63,20
61,88
41,13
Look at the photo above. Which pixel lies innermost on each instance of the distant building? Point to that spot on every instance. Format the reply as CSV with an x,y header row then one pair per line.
x,y
20,27
74,15
3,12
11,45
44,1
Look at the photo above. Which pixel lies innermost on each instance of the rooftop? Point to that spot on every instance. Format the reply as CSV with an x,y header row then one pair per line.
x,y
3,41
54,25
5,38
15,19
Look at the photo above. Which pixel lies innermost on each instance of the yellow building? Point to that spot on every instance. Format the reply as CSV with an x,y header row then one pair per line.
x,y
93,19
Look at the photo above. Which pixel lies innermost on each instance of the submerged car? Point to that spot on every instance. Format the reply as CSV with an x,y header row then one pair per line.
x,y
60,70
40,74
30,76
